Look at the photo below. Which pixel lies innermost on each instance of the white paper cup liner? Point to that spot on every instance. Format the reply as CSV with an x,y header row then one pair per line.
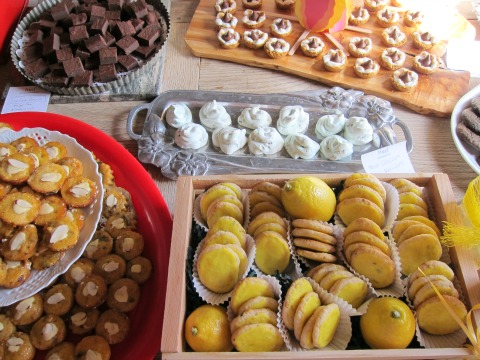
x,y
343,333
206,294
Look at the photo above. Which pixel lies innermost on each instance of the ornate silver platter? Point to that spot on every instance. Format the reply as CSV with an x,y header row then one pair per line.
x,y
156,142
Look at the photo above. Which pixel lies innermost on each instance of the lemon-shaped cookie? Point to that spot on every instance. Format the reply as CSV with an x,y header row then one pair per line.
x,y
362,191
280,229
405,210
352,289
306,307
257,337
320,271
410,197
426,221
220,237
363,224
329,279
265,218
419,282
366,238
427,291
272,252
218,267
326,324
368,180
295,293
228,223
433,318
211,194
418,249
351,209
414,230
369,261
265,206
221,209
257,197
270,188
308,197
249,288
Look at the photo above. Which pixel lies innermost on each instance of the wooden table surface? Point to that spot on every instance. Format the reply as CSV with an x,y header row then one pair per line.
x,y
434,150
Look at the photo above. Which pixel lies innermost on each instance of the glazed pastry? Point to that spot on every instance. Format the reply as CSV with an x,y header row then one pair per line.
x,y
72,165
276,48
413,18
360,46
285,4
301,146
61,234
38,154
5,127
93,347
335,60
47,178
139,269
335,147
254,117
281,27
358,130
228,38
58,300
292,120
252,4
51,208
77,216
254,39
45,258
78,271
82,320
330,124
123,295
312,46
129,244
191,136
374,5
6,150
26,311
22,244
225,20
24,142
229,139
16,168
265,141
392,58
404,79
359,16
366,68
425,63
253,19
19,208
78,191
55,150
213,115
424,40
226,6
386,17
393,36
113,326
111,267
177,115
48,331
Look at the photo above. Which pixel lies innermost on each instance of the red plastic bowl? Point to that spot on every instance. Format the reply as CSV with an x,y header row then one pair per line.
x,y
154,220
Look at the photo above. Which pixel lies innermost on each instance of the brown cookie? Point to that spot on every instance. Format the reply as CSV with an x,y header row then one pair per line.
x,y
471,119
476,104
467,135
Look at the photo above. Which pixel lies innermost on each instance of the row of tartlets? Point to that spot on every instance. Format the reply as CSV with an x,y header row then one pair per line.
x,y
337,134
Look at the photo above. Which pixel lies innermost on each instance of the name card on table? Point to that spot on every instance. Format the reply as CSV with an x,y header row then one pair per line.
x,y
26,98
390,159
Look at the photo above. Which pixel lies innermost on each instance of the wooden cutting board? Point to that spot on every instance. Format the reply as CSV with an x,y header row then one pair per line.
x,y
435,94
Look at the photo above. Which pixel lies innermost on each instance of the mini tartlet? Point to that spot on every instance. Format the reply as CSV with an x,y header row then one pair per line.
x,y
360,46
253,19
413,18
424,40
359,16
392,58
393,36
366,68
404,79
386,17
254,39
228,38
252,4
285,4
281,27
226,6
225,20
334,60
312,46
425,63
374,5
276,48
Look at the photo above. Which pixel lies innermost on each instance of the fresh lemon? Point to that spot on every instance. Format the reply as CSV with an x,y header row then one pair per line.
x,y
207,329
308,197
387,324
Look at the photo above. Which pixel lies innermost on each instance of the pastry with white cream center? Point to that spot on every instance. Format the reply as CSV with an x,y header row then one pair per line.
x,y
281,27
360,46
301,146
191,136
366,68
253,19
228,38
413,18
424,40
226,20
276,48
393,36
226,6
335,147
358,130
404,79
312,46
425,63
265,141
229,139
292,120
330,124
214,115
359,16
254,117
387,17
254,39
392,58
335,60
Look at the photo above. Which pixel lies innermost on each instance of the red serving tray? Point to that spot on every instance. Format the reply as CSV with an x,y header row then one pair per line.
x,y
154,222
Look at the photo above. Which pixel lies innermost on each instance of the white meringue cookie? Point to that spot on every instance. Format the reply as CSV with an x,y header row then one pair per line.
x,y
358,130
329,125
212,116
254,117
292,120
301,146
229,139
265,140
191,136
335,147
177,115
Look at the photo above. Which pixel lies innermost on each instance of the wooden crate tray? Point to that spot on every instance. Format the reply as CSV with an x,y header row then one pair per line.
x,y
436,94
173,344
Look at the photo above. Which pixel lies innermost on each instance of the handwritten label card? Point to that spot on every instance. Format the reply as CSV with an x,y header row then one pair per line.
x,y
390,159
26,98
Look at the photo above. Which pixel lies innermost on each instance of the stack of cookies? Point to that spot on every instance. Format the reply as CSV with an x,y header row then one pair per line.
x,y
469,128
314,240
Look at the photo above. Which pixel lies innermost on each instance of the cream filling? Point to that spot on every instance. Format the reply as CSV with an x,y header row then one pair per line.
x,y
284,48
247,36
281,31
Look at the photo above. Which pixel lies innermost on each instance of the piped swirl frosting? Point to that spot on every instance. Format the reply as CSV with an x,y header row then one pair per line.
x,y
178,114
191,136
229,139
335,147
301,146
358,130
330,124
213,115
254,117
265,141
292,120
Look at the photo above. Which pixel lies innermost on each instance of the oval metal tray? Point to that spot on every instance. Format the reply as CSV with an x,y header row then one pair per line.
x,y
156,143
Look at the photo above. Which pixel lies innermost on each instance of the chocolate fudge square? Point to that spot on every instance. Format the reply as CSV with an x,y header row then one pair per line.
x,y
58,81
37,68
64,54
78,33
99,26
137,9
84,79
115,4
95,43
51,43
107,73
124,28
145,51
113,15
138,24
73,67
128,44
36,37
108,55
79,19
148,35
109,39
128,62
97,12
60,11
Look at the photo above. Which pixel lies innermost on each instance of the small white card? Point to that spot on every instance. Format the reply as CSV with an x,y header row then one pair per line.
x,y
26,98
464,55
390,159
